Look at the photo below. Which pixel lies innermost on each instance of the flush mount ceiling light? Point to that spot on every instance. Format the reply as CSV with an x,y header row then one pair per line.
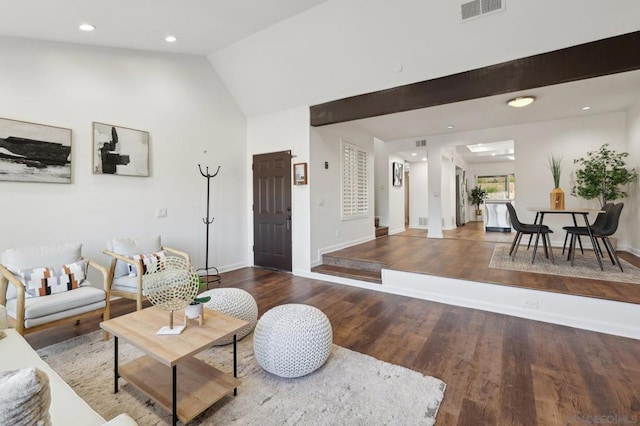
x,y
87,27
170,39
521,101
585,108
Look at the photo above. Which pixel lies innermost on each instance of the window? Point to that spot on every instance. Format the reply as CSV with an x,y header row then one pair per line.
x,y
498,187
355,182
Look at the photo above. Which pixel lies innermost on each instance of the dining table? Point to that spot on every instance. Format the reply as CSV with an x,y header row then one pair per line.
x,y
573,211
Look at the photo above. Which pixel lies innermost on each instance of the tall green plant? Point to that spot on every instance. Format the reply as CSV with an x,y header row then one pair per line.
x,y
601,175
477,196
555,165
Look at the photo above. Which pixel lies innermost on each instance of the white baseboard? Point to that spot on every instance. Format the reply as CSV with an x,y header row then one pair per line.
x,y
233,267
604,316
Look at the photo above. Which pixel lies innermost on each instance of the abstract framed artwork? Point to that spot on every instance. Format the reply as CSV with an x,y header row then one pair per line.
x,y
120,151
398,173
31,152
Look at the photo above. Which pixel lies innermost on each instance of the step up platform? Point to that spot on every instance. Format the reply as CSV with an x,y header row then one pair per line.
x,y
355,274
357,269
381,231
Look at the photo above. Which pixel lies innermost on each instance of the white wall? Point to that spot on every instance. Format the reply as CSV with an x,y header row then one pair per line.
x,y
418,203
191,119
382,181
349,47
285,131
448,190
632,208
396,198
328,231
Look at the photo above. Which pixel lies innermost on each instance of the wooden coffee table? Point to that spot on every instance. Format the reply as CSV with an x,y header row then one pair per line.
x,y
168,372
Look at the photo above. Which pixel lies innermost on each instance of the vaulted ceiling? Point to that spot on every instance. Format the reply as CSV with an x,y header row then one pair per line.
x,y
200,26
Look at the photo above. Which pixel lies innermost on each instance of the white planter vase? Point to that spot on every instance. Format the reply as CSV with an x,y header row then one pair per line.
x,y
193,311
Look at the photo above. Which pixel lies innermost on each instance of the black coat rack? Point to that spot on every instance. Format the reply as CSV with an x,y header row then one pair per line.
x,y
211,278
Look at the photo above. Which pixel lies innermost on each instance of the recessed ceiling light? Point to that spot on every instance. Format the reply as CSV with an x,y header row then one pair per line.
x,y
521,101
87,27
450,126
413,154
424,158
170,39
586,108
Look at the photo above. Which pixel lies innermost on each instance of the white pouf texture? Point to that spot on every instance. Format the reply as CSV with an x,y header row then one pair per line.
x,y
234,302
292,340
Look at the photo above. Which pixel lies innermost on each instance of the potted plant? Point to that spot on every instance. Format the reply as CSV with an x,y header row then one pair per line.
x,y
601,175
556,198
477,197
194,309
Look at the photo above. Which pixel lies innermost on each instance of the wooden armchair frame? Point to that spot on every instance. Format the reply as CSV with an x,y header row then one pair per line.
x,y
137,295
7,277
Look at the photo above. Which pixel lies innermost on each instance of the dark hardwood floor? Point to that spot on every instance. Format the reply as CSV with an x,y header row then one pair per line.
x,y
499,370
465,252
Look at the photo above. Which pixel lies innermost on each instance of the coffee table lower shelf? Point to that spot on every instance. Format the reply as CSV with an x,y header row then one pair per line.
x,y
199,384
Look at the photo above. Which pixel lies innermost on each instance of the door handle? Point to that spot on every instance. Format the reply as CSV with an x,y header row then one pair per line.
x,y
288,222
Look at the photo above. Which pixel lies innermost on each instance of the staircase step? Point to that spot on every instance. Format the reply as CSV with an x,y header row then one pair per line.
x,y
363,265
382,231
356,274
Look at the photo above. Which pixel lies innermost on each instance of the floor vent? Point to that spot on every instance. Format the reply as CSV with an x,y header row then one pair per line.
x,y
476,8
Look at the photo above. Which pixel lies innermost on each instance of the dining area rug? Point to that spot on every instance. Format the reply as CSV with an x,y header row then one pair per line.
x,y
584,266
350,388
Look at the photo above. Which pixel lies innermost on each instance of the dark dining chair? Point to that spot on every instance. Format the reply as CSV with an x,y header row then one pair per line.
x,y
527,229
598,223
610,226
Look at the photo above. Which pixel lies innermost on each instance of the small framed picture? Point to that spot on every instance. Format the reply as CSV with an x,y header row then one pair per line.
x,y
398,173
300,174
119,150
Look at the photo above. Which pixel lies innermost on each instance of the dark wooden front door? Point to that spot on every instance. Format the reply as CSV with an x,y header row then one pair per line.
x,y
272,210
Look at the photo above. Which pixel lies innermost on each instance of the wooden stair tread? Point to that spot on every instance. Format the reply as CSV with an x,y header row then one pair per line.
x,y
381,231
356,274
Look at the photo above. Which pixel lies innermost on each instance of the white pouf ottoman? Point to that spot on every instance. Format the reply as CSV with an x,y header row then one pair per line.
x,y
234,302
292,340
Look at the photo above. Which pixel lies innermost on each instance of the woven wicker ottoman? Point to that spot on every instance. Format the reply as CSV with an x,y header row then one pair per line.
x,y
292,340
234,302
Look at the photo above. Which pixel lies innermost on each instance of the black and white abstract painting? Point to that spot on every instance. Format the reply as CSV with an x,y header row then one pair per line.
x,y
32,152
397,174
120,151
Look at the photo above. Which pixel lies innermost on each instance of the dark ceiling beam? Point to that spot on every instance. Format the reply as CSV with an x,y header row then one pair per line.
x,y
603,57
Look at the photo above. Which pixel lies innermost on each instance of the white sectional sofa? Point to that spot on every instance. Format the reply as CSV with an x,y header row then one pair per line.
x,y
67,408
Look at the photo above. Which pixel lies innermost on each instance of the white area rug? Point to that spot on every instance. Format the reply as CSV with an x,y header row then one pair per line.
x,y
585,265
350,389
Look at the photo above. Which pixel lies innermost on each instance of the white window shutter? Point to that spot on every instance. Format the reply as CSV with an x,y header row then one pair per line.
x,y
355,179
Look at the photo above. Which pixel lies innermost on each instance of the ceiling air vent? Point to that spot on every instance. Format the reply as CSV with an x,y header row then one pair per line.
x,y
476,8
421,142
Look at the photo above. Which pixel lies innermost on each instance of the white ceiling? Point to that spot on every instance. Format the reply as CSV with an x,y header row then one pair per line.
x,y
201,26
617,92
205,26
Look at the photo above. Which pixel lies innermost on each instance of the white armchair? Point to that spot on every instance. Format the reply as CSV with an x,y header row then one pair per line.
x,y
129,259
45,286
